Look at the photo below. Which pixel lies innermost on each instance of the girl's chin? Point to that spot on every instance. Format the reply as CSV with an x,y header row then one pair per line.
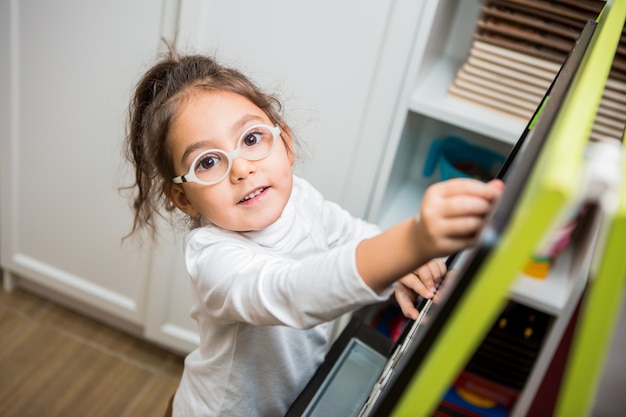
x,y
258,224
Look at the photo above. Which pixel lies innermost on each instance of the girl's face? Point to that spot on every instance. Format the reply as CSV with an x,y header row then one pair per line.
x,y
216,120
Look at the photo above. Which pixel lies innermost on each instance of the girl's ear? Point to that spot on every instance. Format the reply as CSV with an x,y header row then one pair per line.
x,y
179,198
286,137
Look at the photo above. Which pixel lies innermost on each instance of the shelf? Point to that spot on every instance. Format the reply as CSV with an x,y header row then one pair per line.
x,y
431,99
551,294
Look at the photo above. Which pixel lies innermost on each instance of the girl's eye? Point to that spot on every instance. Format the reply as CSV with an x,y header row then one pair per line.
x,y
252,138
208,162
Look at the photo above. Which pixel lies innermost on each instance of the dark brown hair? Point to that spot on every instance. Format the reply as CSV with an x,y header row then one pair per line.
x,y
157,97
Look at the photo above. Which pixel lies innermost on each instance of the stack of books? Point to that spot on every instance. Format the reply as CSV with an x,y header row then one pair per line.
x,y
611,116
518,47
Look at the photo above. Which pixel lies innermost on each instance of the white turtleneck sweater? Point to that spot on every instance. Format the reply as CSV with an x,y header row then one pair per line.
x,y
262,300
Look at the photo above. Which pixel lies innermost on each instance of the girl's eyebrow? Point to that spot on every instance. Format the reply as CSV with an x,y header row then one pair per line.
x,y
247,119
192,148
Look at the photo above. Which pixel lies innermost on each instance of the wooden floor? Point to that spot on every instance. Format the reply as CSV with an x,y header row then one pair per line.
x,y
54,362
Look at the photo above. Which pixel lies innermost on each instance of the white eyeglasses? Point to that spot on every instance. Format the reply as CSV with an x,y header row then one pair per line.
x,y
213,165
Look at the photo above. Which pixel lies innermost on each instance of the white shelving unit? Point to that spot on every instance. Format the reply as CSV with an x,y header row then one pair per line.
x,y
439,54
429,113
426,113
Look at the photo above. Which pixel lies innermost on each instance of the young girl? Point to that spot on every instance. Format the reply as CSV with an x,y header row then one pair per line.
x,y
271,261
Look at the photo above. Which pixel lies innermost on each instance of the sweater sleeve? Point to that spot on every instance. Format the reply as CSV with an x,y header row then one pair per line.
x,y
343,227
237,283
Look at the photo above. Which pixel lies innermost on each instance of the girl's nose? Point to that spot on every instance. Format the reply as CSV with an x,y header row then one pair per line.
x,y
241,169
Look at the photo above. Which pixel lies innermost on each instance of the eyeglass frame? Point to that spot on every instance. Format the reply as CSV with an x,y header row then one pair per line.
x,y
230,157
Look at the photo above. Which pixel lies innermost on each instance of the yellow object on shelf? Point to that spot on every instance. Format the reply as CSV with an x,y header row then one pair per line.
x,y
538,268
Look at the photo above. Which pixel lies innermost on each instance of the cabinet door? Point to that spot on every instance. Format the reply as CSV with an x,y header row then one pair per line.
x,y
338,66
71,66
169,297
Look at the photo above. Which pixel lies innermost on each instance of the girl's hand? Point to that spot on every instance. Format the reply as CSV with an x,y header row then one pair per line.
x,y
423,281
452,212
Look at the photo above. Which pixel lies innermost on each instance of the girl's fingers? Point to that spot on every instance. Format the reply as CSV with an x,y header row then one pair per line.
x,y
423,284
431,273
467,186
460,197
438,268
406,300
459,206
422,281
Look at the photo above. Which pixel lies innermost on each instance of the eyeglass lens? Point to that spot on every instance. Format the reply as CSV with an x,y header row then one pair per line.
x,y
253,145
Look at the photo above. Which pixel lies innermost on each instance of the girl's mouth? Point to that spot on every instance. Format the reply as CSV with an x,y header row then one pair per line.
x,y
253,194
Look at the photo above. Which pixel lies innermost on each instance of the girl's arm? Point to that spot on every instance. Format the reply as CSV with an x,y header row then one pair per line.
x,y
450,215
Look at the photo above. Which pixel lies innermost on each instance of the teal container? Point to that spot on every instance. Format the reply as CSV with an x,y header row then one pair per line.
x,y
459,159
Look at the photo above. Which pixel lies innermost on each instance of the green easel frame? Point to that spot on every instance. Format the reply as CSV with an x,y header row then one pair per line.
x,y
600,310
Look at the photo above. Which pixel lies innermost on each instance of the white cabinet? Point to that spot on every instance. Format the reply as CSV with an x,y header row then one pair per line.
x,y
167,319
69,67
68,71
